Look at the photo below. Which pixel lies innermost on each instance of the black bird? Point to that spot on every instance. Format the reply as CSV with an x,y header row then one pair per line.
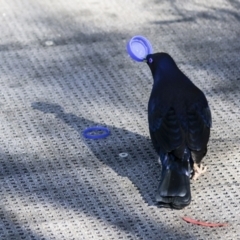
x,y
179,123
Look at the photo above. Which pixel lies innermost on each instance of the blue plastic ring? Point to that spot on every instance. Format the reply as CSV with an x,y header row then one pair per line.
x,y
96,128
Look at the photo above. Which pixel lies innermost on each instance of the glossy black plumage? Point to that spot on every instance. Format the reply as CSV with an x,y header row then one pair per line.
x,y
179,123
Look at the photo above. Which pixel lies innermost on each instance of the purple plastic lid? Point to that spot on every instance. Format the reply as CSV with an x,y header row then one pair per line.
x,y
138,48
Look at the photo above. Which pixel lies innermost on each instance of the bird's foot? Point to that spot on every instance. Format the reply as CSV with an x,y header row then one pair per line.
x,y
198,170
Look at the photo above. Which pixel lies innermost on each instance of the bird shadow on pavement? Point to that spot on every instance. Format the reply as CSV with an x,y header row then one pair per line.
x,y
140,166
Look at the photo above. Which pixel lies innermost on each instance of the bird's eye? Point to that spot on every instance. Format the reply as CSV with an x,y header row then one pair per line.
x,y
150,60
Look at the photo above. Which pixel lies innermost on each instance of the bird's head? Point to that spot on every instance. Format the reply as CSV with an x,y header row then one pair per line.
x,y
160,62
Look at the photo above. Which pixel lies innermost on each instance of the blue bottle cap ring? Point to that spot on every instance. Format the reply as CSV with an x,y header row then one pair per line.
x,y
138,48
87,132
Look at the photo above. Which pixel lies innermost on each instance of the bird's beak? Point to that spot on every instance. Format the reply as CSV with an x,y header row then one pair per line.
x,y
145,60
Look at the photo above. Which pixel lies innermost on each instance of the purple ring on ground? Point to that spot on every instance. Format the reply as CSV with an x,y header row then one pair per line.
x,y
87,131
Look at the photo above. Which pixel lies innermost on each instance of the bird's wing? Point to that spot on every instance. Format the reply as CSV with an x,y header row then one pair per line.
x,y
199,123
165,130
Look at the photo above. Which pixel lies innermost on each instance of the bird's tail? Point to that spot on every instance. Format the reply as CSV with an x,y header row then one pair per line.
x,y
174,190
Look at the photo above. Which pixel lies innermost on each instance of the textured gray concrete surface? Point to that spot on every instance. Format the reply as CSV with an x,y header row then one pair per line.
x,y
64,67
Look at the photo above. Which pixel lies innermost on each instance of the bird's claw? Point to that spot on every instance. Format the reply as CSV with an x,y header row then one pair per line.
x,y
198,170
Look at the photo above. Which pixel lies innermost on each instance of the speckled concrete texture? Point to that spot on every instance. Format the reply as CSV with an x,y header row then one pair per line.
x,y
63,68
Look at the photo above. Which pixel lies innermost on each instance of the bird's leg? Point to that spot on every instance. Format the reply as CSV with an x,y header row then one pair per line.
x,y
198,170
